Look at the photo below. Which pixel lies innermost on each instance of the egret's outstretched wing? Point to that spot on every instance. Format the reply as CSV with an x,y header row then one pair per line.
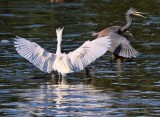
x,y
89,52
121,46
31,51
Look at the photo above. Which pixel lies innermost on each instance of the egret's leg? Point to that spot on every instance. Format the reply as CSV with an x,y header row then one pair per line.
x,y
86,72
59,77
53,79
52,75
64,79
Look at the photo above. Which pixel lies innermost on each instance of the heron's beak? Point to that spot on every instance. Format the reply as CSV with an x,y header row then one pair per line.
x,y
139,14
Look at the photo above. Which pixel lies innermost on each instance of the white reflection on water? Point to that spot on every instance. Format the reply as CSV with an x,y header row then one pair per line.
x,y
61,98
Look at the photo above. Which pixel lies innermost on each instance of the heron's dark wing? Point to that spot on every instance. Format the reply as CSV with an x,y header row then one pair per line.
x,y
128,35
120,46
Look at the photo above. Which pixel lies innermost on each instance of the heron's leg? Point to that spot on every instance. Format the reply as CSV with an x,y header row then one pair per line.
x,y
89,77
86,72
120,59
112,59
119,67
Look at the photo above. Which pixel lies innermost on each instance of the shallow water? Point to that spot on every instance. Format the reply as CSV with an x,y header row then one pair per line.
x,y
127,89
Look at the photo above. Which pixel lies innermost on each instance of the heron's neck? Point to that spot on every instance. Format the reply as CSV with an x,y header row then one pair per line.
x,y
128,24
58,47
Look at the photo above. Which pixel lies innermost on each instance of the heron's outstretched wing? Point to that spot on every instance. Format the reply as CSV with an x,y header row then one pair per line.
x,y
89,52
31,51
121,46
128,35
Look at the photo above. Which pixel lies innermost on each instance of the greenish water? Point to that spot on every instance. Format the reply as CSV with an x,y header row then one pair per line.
x,y
129,89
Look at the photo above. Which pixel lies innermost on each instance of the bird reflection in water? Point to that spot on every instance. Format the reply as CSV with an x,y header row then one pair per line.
x,y
56,79
59,85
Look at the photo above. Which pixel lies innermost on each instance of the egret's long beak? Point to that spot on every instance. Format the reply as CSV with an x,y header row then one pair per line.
x,y
139,14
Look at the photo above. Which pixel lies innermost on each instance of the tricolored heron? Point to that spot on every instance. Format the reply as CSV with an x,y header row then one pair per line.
x,y
120,46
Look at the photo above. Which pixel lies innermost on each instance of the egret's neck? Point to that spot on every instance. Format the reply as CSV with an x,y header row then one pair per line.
x,y
58,47
128,24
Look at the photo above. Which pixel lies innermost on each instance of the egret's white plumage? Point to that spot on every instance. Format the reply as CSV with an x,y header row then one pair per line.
x,y
64,63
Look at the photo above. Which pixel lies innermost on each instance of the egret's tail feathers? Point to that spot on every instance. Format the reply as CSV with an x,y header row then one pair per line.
x,y
59,33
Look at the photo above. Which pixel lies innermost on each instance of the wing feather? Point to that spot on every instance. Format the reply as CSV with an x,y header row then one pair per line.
x,y
34,53
89,52
121,46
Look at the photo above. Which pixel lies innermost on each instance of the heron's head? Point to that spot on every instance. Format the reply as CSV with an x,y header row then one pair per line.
x,y
133,11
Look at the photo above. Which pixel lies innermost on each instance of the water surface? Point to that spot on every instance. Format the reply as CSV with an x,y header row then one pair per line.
x,y
128,89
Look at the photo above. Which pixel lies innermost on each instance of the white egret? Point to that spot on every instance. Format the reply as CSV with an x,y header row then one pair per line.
x,y
74,61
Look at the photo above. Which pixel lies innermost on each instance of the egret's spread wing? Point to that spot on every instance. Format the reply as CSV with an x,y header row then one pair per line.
x,y
121,46
31,51
89,52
